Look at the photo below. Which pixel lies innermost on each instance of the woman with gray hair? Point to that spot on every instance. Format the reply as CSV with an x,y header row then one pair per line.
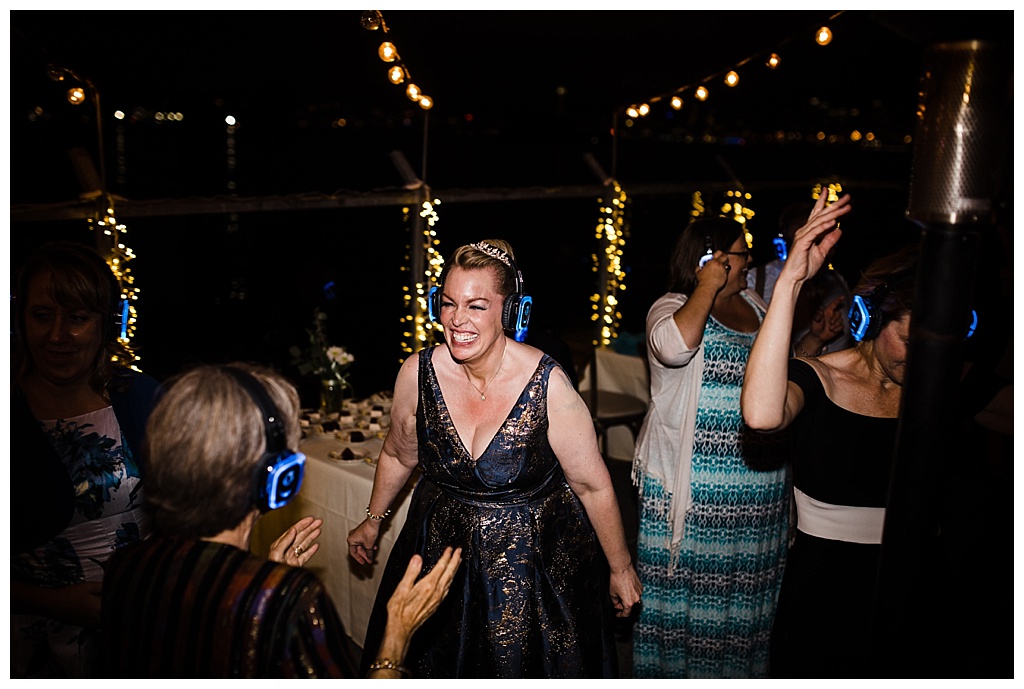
x,y
193,601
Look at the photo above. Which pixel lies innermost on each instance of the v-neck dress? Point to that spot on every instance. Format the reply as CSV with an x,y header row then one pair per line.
x,y
530,599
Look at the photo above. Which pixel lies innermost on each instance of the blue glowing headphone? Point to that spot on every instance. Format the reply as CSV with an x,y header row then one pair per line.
x,y
278,475
781,251
709,252
515,311
865,320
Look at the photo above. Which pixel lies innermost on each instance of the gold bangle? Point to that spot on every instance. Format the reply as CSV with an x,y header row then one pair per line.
x,y
376,517
388,664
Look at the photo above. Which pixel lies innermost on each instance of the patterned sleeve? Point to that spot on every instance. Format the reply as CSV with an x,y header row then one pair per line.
x,y
320,647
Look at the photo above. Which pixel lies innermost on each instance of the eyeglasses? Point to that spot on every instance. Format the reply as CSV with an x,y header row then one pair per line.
x,y
745,253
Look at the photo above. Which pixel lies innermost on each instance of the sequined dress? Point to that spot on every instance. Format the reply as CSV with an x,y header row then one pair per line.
x,y
530,599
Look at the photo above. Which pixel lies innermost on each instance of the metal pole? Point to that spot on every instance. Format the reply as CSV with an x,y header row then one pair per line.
x,y
959,155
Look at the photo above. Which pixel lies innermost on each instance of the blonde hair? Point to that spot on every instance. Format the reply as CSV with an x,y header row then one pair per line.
x,y
204,441
490,253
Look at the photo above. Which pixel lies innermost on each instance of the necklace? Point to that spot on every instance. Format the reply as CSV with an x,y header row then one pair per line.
x,y
488,384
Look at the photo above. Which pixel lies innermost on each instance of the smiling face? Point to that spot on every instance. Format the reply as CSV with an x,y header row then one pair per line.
x,y
64,343
471,312
739,259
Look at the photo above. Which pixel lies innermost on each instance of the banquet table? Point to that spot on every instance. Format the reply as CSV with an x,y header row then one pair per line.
x,y
338,491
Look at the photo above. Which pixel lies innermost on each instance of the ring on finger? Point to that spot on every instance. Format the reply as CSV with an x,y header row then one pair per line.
x,y
298,550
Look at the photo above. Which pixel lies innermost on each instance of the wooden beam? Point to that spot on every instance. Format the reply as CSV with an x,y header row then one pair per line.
x,y
127,208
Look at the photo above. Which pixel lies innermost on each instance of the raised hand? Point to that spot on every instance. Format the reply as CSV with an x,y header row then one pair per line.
x,y
813,241
715,272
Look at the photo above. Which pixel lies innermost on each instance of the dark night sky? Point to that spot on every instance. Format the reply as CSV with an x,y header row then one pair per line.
x,y
499,120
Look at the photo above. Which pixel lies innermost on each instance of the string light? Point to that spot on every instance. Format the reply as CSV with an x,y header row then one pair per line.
x,y
373,20
731,75
108,230
426,102
418,330
118,256
611,232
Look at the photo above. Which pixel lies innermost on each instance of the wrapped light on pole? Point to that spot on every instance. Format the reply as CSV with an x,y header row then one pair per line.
x,y
962,148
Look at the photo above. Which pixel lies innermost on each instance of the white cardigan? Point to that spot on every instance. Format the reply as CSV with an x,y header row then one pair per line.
x,y
664,448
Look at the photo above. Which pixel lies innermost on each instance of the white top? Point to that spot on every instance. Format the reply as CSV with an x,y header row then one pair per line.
x,y
838,522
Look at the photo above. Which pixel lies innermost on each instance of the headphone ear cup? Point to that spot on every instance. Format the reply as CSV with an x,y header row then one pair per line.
x,y
434,304
510,311
278,479
865,321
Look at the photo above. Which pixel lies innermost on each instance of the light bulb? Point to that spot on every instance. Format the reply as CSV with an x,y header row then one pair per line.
x,y
632,111
676,102
426,102
773,60
732,78
387,51
76,95
824,36
370,20
701,93
644,109
396,75
413,91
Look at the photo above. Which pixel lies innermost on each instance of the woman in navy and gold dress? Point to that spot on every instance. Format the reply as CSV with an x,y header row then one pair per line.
x,y
513,475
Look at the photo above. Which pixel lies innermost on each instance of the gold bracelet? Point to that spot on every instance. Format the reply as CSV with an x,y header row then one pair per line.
x,y
388,664
376,517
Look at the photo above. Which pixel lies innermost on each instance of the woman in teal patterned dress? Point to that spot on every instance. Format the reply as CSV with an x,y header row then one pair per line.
x,y
713,527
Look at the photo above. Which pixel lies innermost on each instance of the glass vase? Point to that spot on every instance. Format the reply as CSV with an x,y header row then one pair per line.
x,y
332,394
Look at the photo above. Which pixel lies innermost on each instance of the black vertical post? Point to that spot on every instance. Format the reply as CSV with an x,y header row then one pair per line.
x,y
957,172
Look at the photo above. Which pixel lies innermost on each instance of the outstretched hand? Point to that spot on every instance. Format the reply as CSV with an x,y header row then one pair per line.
x,y
414,601
296,545
813,241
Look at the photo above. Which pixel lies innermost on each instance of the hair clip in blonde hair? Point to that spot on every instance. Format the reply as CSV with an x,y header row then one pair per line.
x,y
493,252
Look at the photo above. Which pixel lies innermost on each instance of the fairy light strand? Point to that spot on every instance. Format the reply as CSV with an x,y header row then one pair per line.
x,y
417,329
118,256
611,231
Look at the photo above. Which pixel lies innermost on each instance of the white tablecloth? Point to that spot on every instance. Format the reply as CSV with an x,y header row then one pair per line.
x,y
338,492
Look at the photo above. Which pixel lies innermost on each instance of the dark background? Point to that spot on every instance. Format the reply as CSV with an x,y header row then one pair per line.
x,y
520,98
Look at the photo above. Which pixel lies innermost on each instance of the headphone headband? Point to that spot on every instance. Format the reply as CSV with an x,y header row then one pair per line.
x,y
278,475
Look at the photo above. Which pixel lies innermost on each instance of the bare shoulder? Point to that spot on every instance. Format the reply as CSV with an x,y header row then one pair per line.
x,y
835,370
